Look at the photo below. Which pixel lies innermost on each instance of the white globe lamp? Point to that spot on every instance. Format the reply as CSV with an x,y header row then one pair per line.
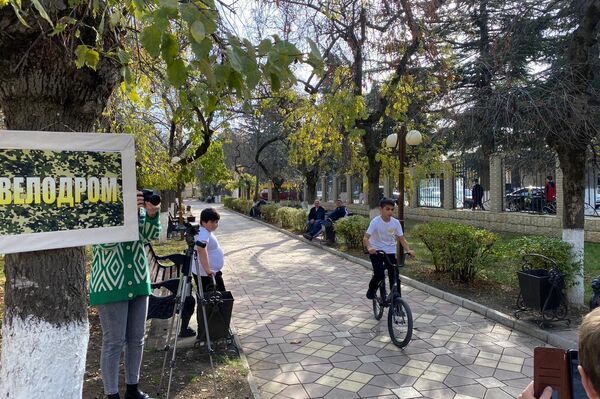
x,y
414,137
392,140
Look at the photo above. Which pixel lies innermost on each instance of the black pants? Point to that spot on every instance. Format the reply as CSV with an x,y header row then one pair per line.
x,y
189,304
207,282
477,202
379,266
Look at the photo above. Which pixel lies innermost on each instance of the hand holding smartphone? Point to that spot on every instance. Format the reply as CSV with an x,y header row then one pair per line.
x,y
557,368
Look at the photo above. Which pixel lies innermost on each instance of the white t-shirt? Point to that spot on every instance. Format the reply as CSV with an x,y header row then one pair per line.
x,y
216,257
382,235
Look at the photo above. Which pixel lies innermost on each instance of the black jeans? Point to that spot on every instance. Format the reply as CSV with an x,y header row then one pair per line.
x,y
379,266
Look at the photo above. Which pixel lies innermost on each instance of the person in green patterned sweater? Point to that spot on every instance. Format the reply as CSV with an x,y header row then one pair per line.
x,y
119,288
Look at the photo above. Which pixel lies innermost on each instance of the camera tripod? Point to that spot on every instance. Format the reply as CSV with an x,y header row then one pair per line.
x,y
183,291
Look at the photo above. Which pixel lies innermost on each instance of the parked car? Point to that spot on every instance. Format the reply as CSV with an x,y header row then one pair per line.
x,y
526,199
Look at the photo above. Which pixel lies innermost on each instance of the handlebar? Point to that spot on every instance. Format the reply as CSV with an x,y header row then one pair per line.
x,y
389,261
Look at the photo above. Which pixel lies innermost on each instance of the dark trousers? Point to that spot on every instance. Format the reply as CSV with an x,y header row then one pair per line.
x,y
477,202
207,282
379,266
189,304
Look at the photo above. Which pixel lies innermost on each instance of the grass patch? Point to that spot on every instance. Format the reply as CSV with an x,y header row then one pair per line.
x,y
502,268
498,277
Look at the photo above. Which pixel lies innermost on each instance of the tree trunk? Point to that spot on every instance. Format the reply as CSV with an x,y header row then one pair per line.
x,y
370,142
312,178
257,186
572,163
45,328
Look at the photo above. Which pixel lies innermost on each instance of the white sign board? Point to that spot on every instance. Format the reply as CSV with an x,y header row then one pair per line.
x,y
61,190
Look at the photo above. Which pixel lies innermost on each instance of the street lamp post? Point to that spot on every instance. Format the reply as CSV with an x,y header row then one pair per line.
x,y
412,137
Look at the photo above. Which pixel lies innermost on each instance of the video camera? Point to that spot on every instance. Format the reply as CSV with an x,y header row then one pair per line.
x,y
151,197
190,230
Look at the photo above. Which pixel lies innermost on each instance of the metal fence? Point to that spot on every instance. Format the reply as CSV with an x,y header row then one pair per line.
x,y
526,185
358,196
592,189
430,192
466,170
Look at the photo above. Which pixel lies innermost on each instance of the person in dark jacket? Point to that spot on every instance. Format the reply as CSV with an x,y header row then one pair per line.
x,y
339,212
317,212
477,192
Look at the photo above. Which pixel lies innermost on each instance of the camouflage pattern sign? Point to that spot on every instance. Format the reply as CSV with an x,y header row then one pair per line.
x,y
65,189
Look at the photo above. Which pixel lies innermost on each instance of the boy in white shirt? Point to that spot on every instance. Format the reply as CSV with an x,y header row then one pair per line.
x,y
382,234
209,256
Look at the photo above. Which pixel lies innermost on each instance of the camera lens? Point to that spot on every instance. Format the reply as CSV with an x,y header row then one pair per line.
x,y
154,199
150,197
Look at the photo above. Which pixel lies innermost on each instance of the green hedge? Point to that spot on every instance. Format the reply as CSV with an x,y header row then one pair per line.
x,y
228,202
300,217
458,249
351,230
553,248
238,204
285,217
269,212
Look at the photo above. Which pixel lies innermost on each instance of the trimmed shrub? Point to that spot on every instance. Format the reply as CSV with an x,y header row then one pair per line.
x,y
351,230
242,205
228,202
269,212
553,248
285,217
300,217
458,249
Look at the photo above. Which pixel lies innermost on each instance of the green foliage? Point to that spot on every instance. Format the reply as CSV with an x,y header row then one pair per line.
x,y
299,220
553,248
212,169
238,204
269,212
458,249
86,56
241,205
351,230
181,36
322,122
291,218
227,202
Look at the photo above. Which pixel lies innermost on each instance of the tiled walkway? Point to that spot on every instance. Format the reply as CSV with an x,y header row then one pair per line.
x,y
309,332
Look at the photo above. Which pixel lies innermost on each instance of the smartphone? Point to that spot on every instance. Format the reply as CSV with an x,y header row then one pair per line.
x,y
577,391
550,369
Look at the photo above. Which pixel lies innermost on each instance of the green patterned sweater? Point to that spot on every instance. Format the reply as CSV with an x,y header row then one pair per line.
x,y
120,270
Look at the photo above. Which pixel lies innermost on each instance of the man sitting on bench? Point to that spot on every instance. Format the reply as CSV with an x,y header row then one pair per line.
x,y
339,212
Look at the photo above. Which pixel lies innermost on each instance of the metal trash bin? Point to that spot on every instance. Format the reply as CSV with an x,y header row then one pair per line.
x,y
537,290
219,305
541,290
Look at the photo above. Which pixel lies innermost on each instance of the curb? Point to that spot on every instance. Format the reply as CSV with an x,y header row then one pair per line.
x,y
244,359
492,314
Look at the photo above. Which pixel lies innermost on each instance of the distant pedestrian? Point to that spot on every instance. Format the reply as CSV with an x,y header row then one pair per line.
x,y
550,190
477,193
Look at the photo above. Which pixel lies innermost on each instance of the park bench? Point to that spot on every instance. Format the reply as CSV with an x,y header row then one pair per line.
x,y
160,269
172,226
